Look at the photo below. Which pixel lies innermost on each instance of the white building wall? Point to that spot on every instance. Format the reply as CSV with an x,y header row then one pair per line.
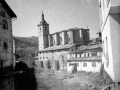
x,y
110,28
88,68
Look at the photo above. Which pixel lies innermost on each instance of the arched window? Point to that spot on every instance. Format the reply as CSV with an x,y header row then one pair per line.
x,y
5,46
4,24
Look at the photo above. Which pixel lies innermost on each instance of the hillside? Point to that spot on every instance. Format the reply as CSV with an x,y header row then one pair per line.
x,y
26,41
26,48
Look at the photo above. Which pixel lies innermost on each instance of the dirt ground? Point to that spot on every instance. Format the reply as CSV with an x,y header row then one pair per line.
x,y
61,80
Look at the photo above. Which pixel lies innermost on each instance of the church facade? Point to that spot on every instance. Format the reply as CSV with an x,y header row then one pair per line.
x,y
54,48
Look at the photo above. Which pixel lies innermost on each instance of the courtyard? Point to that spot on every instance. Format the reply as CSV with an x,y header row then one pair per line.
x,y
62,80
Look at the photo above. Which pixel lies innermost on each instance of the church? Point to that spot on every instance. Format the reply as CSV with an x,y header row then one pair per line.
x,y
54,48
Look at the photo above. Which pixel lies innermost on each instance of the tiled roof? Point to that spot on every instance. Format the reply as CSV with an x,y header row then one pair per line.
x,y
85,58
59,47
12,14
93,47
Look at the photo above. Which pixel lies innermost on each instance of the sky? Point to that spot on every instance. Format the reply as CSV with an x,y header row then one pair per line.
x,y
60,14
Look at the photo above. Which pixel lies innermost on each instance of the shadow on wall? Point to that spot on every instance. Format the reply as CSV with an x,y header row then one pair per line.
x,y
18,80
116,17
6,78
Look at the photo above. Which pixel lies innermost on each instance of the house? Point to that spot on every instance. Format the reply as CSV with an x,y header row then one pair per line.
x,y
7,46
85,58
110,29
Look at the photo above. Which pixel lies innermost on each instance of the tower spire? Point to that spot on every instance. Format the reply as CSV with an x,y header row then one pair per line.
x,y
42,15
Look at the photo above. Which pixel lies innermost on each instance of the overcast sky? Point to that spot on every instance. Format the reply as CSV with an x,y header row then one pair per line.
x,y
60,14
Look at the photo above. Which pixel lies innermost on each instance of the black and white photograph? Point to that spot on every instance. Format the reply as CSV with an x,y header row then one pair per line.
x,y
59,44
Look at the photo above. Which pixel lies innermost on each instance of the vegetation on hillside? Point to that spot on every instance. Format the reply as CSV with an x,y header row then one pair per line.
x,y
26,49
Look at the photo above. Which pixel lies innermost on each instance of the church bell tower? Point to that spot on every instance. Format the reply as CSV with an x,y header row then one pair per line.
x,y
43,32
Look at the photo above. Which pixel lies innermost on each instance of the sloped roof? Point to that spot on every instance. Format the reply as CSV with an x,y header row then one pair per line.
x,y
59,47
91,47
42,22
94,46
11,13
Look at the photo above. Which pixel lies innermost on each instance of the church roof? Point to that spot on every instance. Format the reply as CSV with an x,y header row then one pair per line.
x,y
43,22
58,47
11,13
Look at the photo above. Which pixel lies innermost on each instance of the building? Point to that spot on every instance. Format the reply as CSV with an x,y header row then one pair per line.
x,y
110,29
86,58
6,38
53,48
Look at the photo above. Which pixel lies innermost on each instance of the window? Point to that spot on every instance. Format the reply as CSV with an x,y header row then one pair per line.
x,y
75,55
2,14
43,57
94,54
0,42
45,28
69,40
84,54
61,40
42,65
5,46
4,24
88,55
103,45
107,2
93,64
98,53
84,64
80,33
107,53
101,14
54,42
